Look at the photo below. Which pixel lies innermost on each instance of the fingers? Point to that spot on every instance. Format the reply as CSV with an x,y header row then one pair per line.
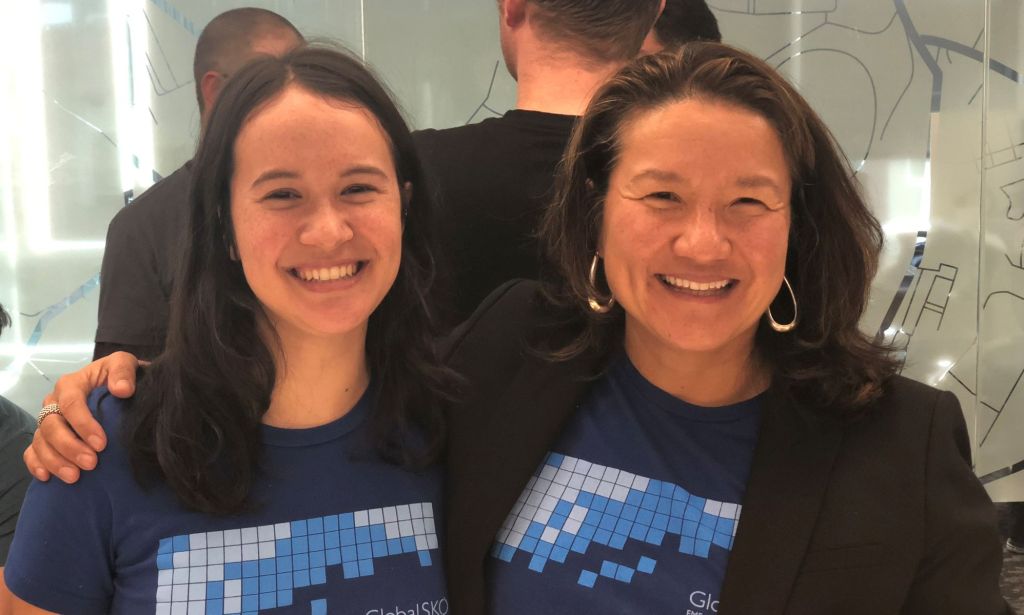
x,y
56,433
121,368
117,371
65,442
77,423
41,454
34,465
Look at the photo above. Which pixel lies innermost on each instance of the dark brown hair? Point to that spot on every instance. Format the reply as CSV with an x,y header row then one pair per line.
x,y
834,239
683,21
605,30
195,422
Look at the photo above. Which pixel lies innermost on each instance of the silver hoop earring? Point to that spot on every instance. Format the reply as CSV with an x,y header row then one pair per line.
x,y
784,328
595,305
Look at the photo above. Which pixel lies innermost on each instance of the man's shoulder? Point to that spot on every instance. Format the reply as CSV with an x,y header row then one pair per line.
x,y
165,200
432,139
515,122
512,154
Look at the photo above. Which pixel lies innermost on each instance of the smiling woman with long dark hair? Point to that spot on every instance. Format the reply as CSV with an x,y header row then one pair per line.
x,y
688,418
275,455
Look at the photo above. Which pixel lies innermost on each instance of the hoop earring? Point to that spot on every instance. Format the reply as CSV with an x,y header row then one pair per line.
x,y
595,305
784,328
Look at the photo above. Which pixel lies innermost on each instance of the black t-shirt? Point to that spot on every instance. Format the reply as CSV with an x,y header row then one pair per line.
x,y
16,428
493,180
143,245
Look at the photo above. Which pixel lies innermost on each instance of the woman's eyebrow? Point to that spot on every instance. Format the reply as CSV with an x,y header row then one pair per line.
x,y
274,174
657,175
756,181
365,169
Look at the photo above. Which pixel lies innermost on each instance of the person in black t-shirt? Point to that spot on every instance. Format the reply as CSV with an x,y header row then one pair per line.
x,y
143,240
494,178
16,427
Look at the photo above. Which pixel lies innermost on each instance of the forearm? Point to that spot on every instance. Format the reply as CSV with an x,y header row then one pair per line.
x,y
12,605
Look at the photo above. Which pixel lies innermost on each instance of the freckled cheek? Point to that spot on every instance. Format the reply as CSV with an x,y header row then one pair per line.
x,y
259,240
384,231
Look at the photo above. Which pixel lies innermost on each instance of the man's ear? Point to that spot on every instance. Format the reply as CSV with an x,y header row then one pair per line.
x,y
513,12
210,85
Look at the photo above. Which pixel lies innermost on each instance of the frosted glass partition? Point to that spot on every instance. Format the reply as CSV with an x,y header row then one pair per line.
x,y
928,104
1000,370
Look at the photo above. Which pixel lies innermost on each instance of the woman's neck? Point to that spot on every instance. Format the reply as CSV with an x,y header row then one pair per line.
x,y
319,379
713,378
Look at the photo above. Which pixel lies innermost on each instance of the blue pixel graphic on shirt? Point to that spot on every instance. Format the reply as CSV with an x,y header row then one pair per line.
x,y
572,503
253,569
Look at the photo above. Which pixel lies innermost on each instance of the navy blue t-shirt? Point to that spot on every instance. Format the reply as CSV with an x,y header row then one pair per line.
x,y
336,530
634,510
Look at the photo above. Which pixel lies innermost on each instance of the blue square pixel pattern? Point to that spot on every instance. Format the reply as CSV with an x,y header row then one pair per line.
x,y
250,569
571,503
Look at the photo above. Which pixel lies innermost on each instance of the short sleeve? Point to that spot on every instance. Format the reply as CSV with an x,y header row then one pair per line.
x,y
133,305
61,559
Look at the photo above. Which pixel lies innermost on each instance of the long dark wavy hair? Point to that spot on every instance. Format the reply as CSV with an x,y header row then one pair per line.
x,y
195,421
834,239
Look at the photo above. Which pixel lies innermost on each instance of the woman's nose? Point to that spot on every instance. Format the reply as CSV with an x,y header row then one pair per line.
x,y
701,236
327,227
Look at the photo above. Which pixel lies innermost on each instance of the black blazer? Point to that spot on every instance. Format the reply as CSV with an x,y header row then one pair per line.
x,y
881,516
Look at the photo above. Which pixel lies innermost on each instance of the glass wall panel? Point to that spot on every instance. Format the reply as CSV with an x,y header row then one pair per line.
x,y
448,69
1000,370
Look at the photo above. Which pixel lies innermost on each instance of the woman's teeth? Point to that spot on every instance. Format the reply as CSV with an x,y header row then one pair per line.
x,y
697,286
327,274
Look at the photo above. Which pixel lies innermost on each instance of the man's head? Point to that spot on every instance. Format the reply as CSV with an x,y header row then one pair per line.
x,y
599,32
5,319
230,41
682,21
